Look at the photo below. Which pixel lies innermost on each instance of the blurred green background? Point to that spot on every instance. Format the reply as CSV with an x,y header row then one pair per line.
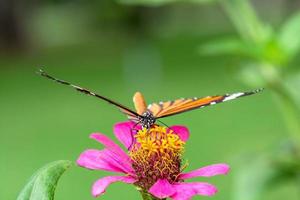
x,y
117,49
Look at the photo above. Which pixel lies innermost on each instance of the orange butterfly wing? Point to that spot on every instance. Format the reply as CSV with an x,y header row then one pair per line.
x,y
168,108
139,103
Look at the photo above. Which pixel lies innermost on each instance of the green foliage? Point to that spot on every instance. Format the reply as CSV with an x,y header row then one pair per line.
x,y
266,51
231,46
161,2
287,162
293,84
244,18
289,35
147,2
259,173
252,178
41,186
251,74
257,39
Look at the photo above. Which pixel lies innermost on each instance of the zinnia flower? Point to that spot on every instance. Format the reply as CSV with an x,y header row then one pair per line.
x,y
153,163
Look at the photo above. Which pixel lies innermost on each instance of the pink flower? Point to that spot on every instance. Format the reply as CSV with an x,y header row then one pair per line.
x,y
153,163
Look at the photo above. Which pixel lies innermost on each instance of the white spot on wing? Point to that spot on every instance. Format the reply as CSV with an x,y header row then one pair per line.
x,y
233,96
75,86
213,103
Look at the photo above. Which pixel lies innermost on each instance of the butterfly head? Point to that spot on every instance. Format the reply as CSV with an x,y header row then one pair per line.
x,y
147,119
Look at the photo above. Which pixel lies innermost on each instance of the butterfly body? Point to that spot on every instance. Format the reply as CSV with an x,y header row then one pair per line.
x,y
147,119
147,116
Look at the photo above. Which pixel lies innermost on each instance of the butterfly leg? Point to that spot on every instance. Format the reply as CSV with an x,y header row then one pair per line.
x,y
133,132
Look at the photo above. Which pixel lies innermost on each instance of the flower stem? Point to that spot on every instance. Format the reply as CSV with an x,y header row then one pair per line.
x,y
289,107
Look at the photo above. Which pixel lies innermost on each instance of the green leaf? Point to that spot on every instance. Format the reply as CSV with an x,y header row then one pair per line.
x,y
161,2
268,50
228,46
289,35
41,186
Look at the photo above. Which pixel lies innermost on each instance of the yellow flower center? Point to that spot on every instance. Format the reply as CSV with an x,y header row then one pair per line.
x,y
156,154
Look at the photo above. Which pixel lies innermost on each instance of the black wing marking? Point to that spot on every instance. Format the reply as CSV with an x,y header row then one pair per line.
x,y
85,91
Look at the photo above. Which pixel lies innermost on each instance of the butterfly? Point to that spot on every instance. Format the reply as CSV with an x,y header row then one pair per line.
x,y
145,115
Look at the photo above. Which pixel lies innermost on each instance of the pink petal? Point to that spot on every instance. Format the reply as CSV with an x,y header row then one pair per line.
x,y
162,189
123,131
111,145
181,131
207,171
185,191
103,160
100,185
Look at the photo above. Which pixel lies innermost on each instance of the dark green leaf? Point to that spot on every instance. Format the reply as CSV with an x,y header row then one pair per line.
x,y
41,186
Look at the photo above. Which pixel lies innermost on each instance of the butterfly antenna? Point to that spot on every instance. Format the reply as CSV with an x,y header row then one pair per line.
x,y
163,123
